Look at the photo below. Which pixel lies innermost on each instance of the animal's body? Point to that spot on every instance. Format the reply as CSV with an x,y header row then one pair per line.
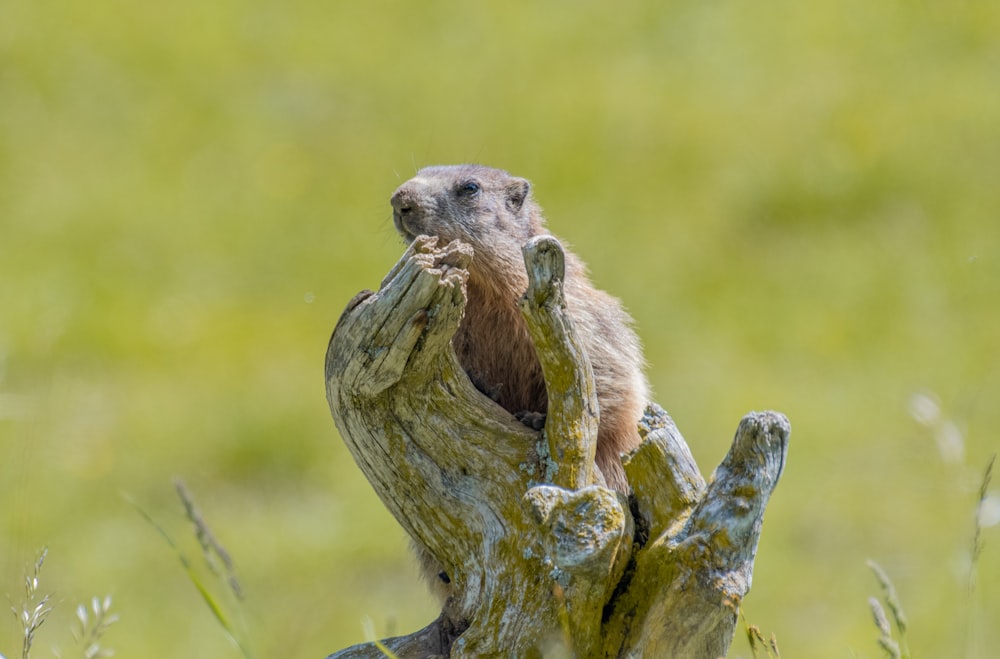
x,y
494,212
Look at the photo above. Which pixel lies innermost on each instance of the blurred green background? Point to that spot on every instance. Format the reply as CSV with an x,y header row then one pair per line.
x,y
798,202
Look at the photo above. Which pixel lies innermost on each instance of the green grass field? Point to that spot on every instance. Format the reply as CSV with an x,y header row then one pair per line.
x,y
798,202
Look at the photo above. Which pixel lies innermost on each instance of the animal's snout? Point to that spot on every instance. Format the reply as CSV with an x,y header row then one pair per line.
x,y
409,210
402,201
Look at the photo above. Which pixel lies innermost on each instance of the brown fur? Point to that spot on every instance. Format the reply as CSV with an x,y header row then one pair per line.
x,y
494,212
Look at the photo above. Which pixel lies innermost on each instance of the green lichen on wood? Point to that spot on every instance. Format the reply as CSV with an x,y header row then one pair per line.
x,y
662,473
572,419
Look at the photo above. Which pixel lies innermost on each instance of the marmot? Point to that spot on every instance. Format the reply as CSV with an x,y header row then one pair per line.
x,y
493,211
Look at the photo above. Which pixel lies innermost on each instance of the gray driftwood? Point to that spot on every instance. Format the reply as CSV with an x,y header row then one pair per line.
x,y
544,560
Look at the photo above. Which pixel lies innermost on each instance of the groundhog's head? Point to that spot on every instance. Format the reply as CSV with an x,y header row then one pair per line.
x,y
487,208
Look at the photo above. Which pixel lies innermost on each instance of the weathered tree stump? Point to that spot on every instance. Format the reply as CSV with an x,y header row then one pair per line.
x,y
543,560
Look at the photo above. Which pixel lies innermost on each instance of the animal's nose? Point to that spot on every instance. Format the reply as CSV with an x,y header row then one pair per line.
x,y
402,201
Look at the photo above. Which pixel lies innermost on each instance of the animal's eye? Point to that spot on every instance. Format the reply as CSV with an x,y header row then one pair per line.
x,y
469,189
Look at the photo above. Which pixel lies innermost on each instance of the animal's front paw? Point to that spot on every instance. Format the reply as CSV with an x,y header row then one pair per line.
x,y
534,420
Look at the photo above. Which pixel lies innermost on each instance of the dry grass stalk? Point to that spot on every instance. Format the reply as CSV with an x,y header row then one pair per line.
x,y
757,642
91,626
212,550
34,610
892,647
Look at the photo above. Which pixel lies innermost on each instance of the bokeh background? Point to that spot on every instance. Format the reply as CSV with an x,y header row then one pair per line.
x,y
798,202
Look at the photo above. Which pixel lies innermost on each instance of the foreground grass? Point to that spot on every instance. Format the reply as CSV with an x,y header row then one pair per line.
x,y
88,629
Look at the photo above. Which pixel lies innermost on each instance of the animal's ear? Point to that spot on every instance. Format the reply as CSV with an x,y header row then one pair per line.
x,y
517,190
